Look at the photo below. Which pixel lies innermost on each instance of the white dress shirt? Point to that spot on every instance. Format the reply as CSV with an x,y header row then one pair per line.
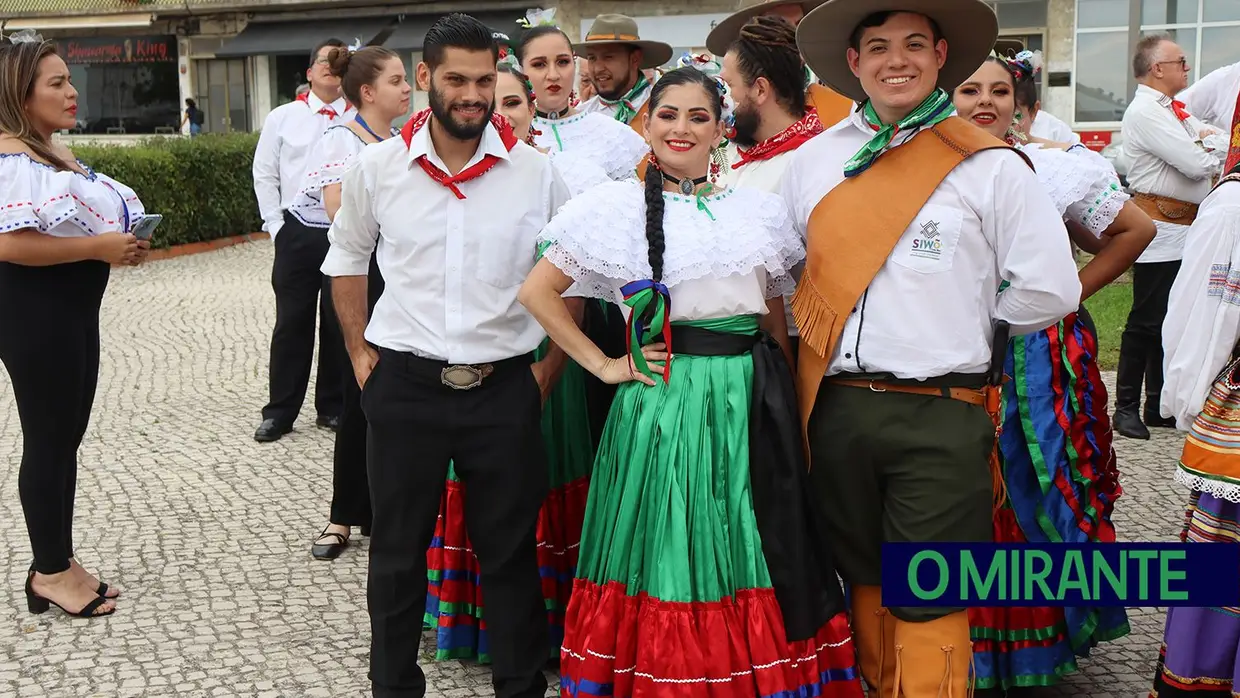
x,y
1167,157
289,135
1203,310
1213,97
596,105
452,267
926,316
764,175
1049,127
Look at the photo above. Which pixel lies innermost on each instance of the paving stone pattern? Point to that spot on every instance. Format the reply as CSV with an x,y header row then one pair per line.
x,y
208,532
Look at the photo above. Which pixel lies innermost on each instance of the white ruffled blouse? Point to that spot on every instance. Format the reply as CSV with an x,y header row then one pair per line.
x,y
334,154
1083,185
578,172
595,137
722,258
63,203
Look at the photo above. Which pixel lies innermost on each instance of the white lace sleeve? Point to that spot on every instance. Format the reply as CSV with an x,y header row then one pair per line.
x,y
333,155
787,249
62,203
596,239
622,149
1098,209
1083,191
579,173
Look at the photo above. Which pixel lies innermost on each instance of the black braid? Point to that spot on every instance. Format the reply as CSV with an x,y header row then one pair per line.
x,y
654,221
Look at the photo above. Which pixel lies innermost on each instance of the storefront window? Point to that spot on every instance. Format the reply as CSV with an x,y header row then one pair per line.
x,y
125,85
287,73
1103,60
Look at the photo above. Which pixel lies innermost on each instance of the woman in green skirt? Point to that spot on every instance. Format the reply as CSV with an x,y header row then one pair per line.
x,y
702,568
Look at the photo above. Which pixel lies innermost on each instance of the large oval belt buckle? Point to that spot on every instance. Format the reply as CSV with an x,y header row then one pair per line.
x,y
461,377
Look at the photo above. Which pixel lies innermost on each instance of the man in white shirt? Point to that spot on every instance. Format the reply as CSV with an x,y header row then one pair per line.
x,y
289,136
1173,159
765,73
453,207
618,59
913,219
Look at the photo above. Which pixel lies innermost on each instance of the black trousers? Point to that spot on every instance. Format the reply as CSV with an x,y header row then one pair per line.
x,y
1141,353
493,436
350,486
49,344
303,294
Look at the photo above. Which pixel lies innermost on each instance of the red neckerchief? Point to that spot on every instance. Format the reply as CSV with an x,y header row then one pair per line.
x,y
327,108
1180,110
501,124
790,138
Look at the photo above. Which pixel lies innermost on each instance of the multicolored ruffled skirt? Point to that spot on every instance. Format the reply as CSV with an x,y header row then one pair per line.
x,y
1062,483
674,596
454,603
1200,653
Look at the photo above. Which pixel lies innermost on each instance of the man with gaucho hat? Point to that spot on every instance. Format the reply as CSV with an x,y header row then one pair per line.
x,y
830,105
618,57
913,219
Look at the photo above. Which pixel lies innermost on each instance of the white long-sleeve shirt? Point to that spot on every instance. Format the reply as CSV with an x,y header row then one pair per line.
x,y
452,267
1203,311
925,314
1167,157
1213,97
289,135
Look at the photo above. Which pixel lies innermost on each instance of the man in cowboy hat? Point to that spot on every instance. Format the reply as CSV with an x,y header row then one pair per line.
x,y
618,57
831,106
913,218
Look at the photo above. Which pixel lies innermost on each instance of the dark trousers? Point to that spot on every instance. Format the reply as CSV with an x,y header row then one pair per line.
x,y
350,486
493,436
1141,353
303,294
49,344
895,467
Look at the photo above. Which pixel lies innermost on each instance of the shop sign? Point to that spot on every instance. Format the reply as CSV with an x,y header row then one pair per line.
x,y
107,49
1096,140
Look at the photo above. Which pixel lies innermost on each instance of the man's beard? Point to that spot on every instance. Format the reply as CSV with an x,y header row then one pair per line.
x,y
746,124
458,129
620,90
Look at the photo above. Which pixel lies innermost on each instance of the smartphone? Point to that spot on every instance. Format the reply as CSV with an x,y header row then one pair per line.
x,y
145,227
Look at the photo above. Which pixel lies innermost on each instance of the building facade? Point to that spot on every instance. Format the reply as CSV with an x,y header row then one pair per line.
x,y
136,61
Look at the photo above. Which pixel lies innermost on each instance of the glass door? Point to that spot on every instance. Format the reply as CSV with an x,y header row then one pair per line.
x,y
223,95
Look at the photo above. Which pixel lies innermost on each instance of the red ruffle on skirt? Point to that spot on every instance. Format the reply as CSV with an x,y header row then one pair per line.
x,y
619,646
559,539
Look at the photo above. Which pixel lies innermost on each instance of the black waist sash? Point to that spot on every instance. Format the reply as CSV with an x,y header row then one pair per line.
x,y
794,540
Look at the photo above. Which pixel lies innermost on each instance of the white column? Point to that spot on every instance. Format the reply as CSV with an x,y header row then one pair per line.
x,y
260,91
185,79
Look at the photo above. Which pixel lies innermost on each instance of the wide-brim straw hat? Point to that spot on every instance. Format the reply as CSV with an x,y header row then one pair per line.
x,y
724,33
622,29
970,28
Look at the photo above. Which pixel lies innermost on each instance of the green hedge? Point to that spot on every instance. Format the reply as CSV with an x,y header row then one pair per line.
x,y
202,186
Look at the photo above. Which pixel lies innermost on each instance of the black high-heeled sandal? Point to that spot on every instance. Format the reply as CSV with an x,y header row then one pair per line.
x,y
329,551
37,604
103,591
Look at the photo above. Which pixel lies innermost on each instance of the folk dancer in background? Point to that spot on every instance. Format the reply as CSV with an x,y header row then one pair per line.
x,y
1173,160
546,56
618,57
373,78
455,603
289,136
1063,485
901,401
453,207
763,69
1200,654
831,106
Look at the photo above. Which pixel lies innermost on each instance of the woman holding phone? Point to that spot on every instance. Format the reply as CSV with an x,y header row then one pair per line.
x,y
373,79
61,227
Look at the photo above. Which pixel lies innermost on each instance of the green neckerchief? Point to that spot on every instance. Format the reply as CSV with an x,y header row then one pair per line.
x,y
935,108
625,111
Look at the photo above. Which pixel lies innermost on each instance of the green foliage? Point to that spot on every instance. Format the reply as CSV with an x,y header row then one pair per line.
x,y
1109,308
202,186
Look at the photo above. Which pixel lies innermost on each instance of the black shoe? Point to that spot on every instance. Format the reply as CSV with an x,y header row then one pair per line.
x,y
1129,375
325,422
366,531
1127,423
328,546
1153,419
270,430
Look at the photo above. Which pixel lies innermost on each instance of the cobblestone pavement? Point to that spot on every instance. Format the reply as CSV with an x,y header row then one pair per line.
x,y
208,531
